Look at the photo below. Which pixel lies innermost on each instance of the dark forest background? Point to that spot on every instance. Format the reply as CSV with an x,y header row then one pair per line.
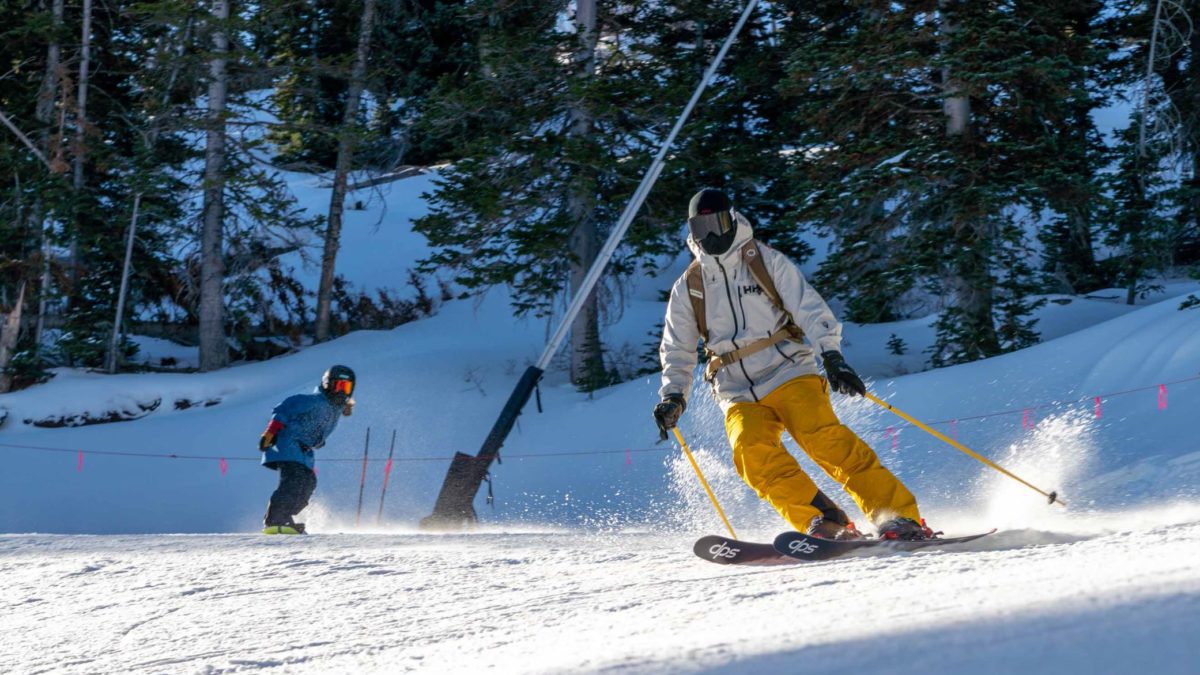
x,y
948,149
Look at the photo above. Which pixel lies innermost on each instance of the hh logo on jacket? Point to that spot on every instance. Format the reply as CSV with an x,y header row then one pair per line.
x,y
752,288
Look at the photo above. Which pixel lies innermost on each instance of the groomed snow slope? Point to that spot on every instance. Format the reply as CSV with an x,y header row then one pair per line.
x,y
1023,601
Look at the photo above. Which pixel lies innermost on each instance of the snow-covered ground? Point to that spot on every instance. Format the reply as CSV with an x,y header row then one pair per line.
x,y
158,352
1117,596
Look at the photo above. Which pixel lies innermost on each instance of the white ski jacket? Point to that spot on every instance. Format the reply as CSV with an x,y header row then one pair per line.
x,y
739,313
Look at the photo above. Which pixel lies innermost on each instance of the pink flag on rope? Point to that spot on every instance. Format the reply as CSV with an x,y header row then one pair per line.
x,y
1097,407
1026,423
954,429
79,463
1162,397
224,466
893,434
387,468
628,457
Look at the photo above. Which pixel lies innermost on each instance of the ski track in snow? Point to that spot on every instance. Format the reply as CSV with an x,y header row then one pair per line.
x,y
1021,601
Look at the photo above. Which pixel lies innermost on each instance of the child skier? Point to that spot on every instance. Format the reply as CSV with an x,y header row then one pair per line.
x,y
298,426
752,308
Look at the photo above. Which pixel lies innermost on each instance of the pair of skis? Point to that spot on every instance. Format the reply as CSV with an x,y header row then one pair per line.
x,y
793,547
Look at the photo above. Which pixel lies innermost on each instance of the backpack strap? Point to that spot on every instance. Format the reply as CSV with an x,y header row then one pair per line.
x,y
695,286
719,361
758,269
752,256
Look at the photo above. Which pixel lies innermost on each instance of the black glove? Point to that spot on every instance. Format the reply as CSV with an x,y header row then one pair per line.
x,y
667,413
842,377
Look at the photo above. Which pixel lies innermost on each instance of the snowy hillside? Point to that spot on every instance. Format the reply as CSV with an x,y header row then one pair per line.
x,y
586,564
438,384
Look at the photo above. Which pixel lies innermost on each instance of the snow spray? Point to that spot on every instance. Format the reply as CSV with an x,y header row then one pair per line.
x,y
1056,451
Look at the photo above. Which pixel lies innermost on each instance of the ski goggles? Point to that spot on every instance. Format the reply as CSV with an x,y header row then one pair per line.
x,y
343,387
704,224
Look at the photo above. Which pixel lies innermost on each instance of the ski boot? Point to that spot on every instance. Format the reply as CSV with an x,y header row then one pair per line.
x,y
906,529
286,528
824,528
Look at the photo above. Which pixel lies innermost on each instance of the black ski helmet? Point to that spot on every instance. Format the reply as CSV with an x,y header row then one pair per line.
x,y
335,376
711,221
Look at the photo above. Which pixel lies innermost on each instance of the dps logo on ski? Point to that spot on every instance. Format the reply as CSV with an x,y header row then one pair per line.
x,y
802,547
723,550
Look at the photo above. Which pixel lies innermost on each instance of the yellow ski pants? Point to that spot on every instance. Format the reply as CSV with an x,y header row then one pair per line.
x,y
802,407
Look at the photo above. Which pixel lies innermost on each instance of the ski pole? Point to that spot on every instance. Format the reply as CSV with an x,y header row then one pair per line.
x,y
362,483
1052,496
387,472
687,451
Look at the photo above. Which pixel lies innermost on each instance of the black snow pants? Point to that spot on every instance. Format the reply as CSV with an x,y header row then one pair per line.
x,y
296,485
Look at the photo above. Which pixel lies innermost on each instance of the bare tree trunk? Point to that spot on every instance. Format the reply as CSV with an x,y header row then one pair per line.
x,y
8,339
347,141
43,289
970,282
956,107
44,113
48,92
214,352
586,352
80,154
151,137
115,344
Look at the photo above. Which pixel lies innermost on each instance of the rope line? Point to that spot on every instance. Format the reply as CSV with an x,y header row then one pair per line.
x,y
173,455
891,430
1057,404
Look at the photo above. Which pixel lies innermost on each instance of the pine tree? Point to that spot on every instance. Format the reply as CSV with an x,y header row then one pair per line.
x,y
538,171
865,120
1177,70
522,205
1079,53
347,144
733,139
929,129
1139,211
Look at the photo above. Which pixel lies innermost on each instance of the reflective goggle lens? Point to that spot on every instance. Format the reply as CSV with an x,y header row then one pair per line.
x,y
343,387
710,223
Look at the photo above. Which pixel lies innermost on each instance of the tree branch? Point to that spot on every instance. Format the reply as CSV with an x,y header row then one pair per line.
x,y
25,139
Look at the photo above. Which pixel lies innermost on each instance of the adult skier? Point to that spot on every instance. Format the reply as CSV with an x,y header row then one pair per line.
x,y
299,425
752,307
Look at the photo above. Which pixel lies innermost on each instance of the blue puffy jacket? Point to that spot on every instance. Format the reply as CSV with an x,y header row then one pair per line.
x,y
307,419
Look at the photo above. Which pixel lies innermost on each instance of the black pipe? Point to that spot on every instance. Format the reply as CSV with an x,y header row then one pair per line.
x,y
455,504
